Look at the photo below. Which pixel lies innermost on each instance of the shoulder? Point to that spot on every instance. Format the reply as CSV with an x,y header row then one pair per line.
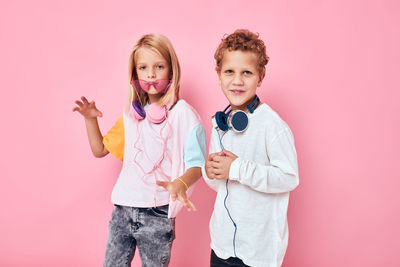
x,y
183,110
270,120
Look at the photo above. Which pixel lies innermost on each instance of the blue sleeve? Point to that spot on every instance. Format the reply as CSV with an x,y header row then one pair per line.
x,y
195,149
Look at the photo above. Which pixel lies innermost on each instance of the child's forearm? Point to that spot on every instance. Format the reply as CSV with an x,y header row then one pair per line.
x,y
191,176
277,177
95,138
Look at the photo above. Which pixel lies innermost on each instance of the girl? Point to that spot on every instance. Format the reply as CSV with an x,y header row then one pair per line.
x,y
162,144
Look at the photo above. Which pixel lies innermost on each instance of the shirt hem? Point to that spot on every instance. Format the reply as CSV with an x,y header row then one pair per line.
x,y
140,204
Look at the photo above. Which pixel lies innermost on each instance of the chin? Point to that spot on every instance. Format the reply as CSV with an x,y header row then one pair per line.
x,y
236,103
153,91
239,100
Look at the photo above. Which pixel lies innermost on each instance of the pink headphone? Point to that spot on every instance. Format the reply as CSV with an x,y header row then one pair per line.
x,y
154,112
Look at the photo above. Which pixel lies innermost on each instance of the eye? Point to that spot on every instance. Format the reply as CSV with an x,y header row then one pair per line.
x,y
228,72
160,67
247,72
141,68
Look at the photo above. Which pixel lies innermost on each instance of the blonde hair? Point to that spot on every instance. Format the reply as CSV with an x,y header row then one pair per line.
x,y
160,44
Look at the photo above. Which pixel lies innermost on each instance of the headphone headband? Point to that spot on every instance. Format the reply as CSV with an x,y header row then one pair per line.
x,y
254,104
251,107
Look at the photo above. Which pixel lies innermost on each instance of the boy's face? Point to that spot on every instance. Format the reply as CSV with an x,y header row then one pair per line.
x,y
239,78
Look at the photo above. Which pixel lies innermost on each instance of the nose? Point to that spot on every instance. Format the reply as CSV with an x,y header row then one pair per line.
x,y
151,74
237,79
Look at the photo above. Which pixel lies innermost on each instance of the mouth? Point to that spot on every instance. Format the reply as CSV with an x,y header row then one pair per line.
x,y
236,91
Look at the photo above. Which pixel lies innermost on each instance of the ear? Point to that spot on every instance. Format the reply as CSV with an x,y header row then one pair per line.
x,y
261,79
219,79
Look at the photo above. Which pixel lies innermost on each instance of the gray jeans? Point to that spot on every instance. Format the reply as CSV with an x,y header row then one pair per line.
x,y
147,228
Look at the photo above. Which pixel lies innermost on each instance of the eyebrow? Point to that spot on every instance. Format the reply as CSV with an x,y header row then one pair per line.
x,y
242,68
158,62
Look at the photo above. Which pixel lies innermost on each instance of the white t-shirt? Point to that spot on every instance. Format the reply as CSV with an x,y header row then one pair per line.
x,y
257,193
176,144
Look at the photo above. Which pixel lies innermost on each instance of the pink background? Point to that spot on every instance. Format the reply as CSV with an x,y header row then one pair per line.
x,y
333,76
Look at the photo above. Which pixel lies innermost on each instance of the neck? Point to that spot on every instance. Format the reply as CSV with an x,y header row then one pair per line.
x,y
154,98
244,106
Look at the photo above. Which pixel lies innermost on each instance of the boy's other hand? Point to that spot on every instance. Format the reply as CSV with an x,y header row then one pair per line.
x,y
178,192
209,165
219,164
87,109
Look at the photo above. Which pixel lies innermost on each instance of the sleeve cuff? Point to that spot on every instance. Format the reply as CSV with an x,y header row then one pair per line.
x,y
194,164
114,150
235,170
204,174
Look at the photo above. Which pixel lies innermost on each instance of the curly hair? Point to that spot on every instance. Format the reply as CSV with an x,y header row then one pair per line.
x,y
243,40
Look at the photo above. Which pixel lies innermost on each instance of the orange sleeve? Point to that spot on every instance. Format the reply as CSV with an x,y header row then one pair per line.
x,y
114,140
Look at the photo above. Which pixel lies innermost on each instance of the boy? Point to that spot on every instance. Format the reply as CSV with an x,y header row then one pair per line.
x,y
252,162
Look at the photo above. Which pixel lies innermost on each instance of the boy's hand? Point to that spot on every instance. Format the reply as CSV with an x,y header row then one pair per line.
x,y
218,164
210,170
178,192
87,109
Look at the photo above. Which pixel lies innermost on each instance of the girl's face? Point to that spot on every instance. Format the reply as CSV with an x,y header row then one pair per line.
x,y
151,66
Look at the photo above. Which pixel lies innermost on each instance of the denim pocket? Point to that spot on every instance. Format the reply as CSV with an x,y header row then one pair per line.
x,y
116,214
172,223
160,211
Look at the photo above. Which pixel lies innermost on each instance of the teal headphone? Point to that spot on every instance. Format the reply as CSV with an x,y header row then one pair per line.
x,y
236,120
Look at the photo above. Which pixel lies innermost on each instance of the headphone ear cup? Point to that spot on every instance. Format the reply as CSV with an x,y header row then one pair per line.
x,y
222,120
136,111
156,114
239,121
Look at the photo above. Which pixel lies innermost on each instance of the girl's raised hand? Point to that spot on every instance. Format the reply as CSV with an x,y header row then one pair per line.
x,y
178,192
87,109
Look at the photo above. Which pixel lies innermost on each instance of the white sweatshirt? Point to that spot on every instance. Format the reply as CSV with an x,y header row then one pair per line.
x,y
258,190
